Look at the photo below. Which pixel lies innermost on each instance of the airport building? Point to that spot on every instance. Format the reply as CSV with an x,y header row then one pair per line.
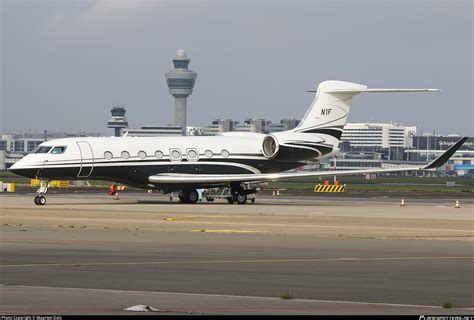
x,y
154,131
428,147
378,135
422,150
249,125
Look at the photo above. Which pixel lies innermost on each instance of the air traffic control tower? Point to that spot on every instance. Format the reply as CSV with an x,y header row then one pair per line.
x,y
118,120
181,83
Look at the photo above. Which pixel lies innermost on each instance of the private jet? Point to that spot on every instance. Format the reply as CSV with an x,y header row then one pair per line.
x,y
233,159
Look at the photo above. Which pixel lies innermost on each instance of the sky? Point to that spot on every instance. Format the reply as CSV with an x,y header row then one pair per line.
x,y
65,63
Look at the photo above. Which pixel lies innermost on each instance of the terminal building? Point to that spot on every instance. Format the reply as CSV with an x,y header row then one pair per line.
x,y
154,131
249,125
427,148
418,151
377,136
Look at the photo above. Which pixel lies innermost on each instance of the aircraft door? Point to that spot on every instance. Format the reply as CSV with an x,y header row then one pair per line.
x,y
87,159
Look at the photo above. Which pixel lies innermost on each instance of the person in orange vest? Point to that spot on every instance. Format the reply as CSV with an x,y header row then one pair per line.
x,y
112,190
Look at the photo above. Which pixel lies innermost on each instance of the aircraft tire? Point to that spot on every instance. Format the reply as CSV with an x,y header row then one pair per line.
x,y
230,200
41,200
241,198
36,200
192,196
188,196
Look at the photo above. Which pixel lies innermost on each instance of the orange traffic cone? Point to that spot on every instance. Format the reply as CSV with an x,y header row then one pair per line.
x,y
458,205
402,203
116,196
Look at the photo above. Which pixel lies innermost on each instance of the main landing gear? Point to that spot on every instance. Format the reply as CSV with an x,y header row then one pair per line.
x,y
40,200
234,193
188,196
239,198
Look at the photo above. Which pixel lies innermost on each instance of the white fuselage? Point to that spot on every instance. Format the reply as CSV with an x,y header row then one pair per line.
x,y
131,160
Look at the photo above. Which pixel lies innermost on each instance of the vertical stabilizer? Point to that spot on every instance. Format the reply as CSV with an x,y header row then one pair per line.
x,y
329,110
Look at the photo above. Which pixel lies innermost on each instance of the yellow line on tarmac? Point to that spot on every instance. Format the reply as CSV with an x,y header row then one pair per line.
x,y
347,259
227,231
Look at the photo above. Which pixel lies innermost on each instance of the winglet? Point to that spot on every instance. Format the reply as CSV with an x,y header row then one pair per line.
x,y
438,162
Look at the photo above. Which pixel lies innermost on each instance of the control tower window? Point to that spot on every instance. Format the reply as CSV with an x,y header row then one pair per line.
x,y
42,149
58,150
180,83
181,64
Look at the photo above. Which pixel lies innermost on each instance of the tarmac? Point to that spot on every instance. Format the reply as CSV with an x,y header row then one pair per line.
x,y
86,253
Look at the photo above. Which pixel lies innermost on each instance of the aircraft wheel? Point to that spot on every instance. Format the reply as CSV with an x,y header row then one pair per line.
x,y
192,196
230,200
241,198
209,199
41,200
36,200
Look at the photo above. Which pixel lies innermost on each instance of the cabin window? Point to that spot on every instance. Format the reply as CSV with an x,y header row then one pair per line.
x,y
225,153
108,155
175,154
158,154
192,154
43,149
58,150
142,154
208,154
125,155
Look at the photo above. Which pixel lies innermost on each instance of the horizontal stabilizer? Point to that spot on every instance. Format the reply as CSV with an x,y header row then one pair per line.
x,y
361,90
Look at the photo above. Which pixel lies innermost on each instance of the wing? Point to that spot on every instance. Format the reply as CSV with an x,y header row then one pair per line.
x,y
204,179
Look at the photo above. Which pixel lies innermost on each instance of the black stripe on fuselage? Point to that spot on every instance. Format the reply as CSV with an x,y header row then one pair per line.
x,y
322,149
137,175
331,132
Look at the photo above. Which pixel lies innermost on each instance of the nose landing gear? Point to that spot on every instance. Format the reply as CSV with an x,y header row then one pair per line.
x,y
40,200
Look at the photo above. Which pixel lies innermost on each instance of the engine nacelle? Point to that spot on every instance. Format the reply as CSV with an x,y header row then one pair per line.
x,y
270,147
288,146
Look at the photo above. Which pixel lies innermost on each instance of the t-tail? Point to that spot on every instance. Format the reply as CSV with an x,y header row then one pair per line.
x,y
328,112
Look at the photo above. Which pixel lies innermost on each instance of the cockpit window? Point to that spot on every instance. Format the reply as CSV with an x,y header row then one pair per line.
x,y
58,150
42,149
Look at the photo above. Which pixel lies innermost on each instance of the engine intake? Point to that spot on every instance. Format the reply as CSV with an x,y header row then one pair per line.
x,y
270,147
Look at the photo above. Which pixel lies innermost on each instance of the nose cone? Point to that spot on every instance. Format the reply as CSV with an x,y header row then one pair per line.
x,y
19,169
15,168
